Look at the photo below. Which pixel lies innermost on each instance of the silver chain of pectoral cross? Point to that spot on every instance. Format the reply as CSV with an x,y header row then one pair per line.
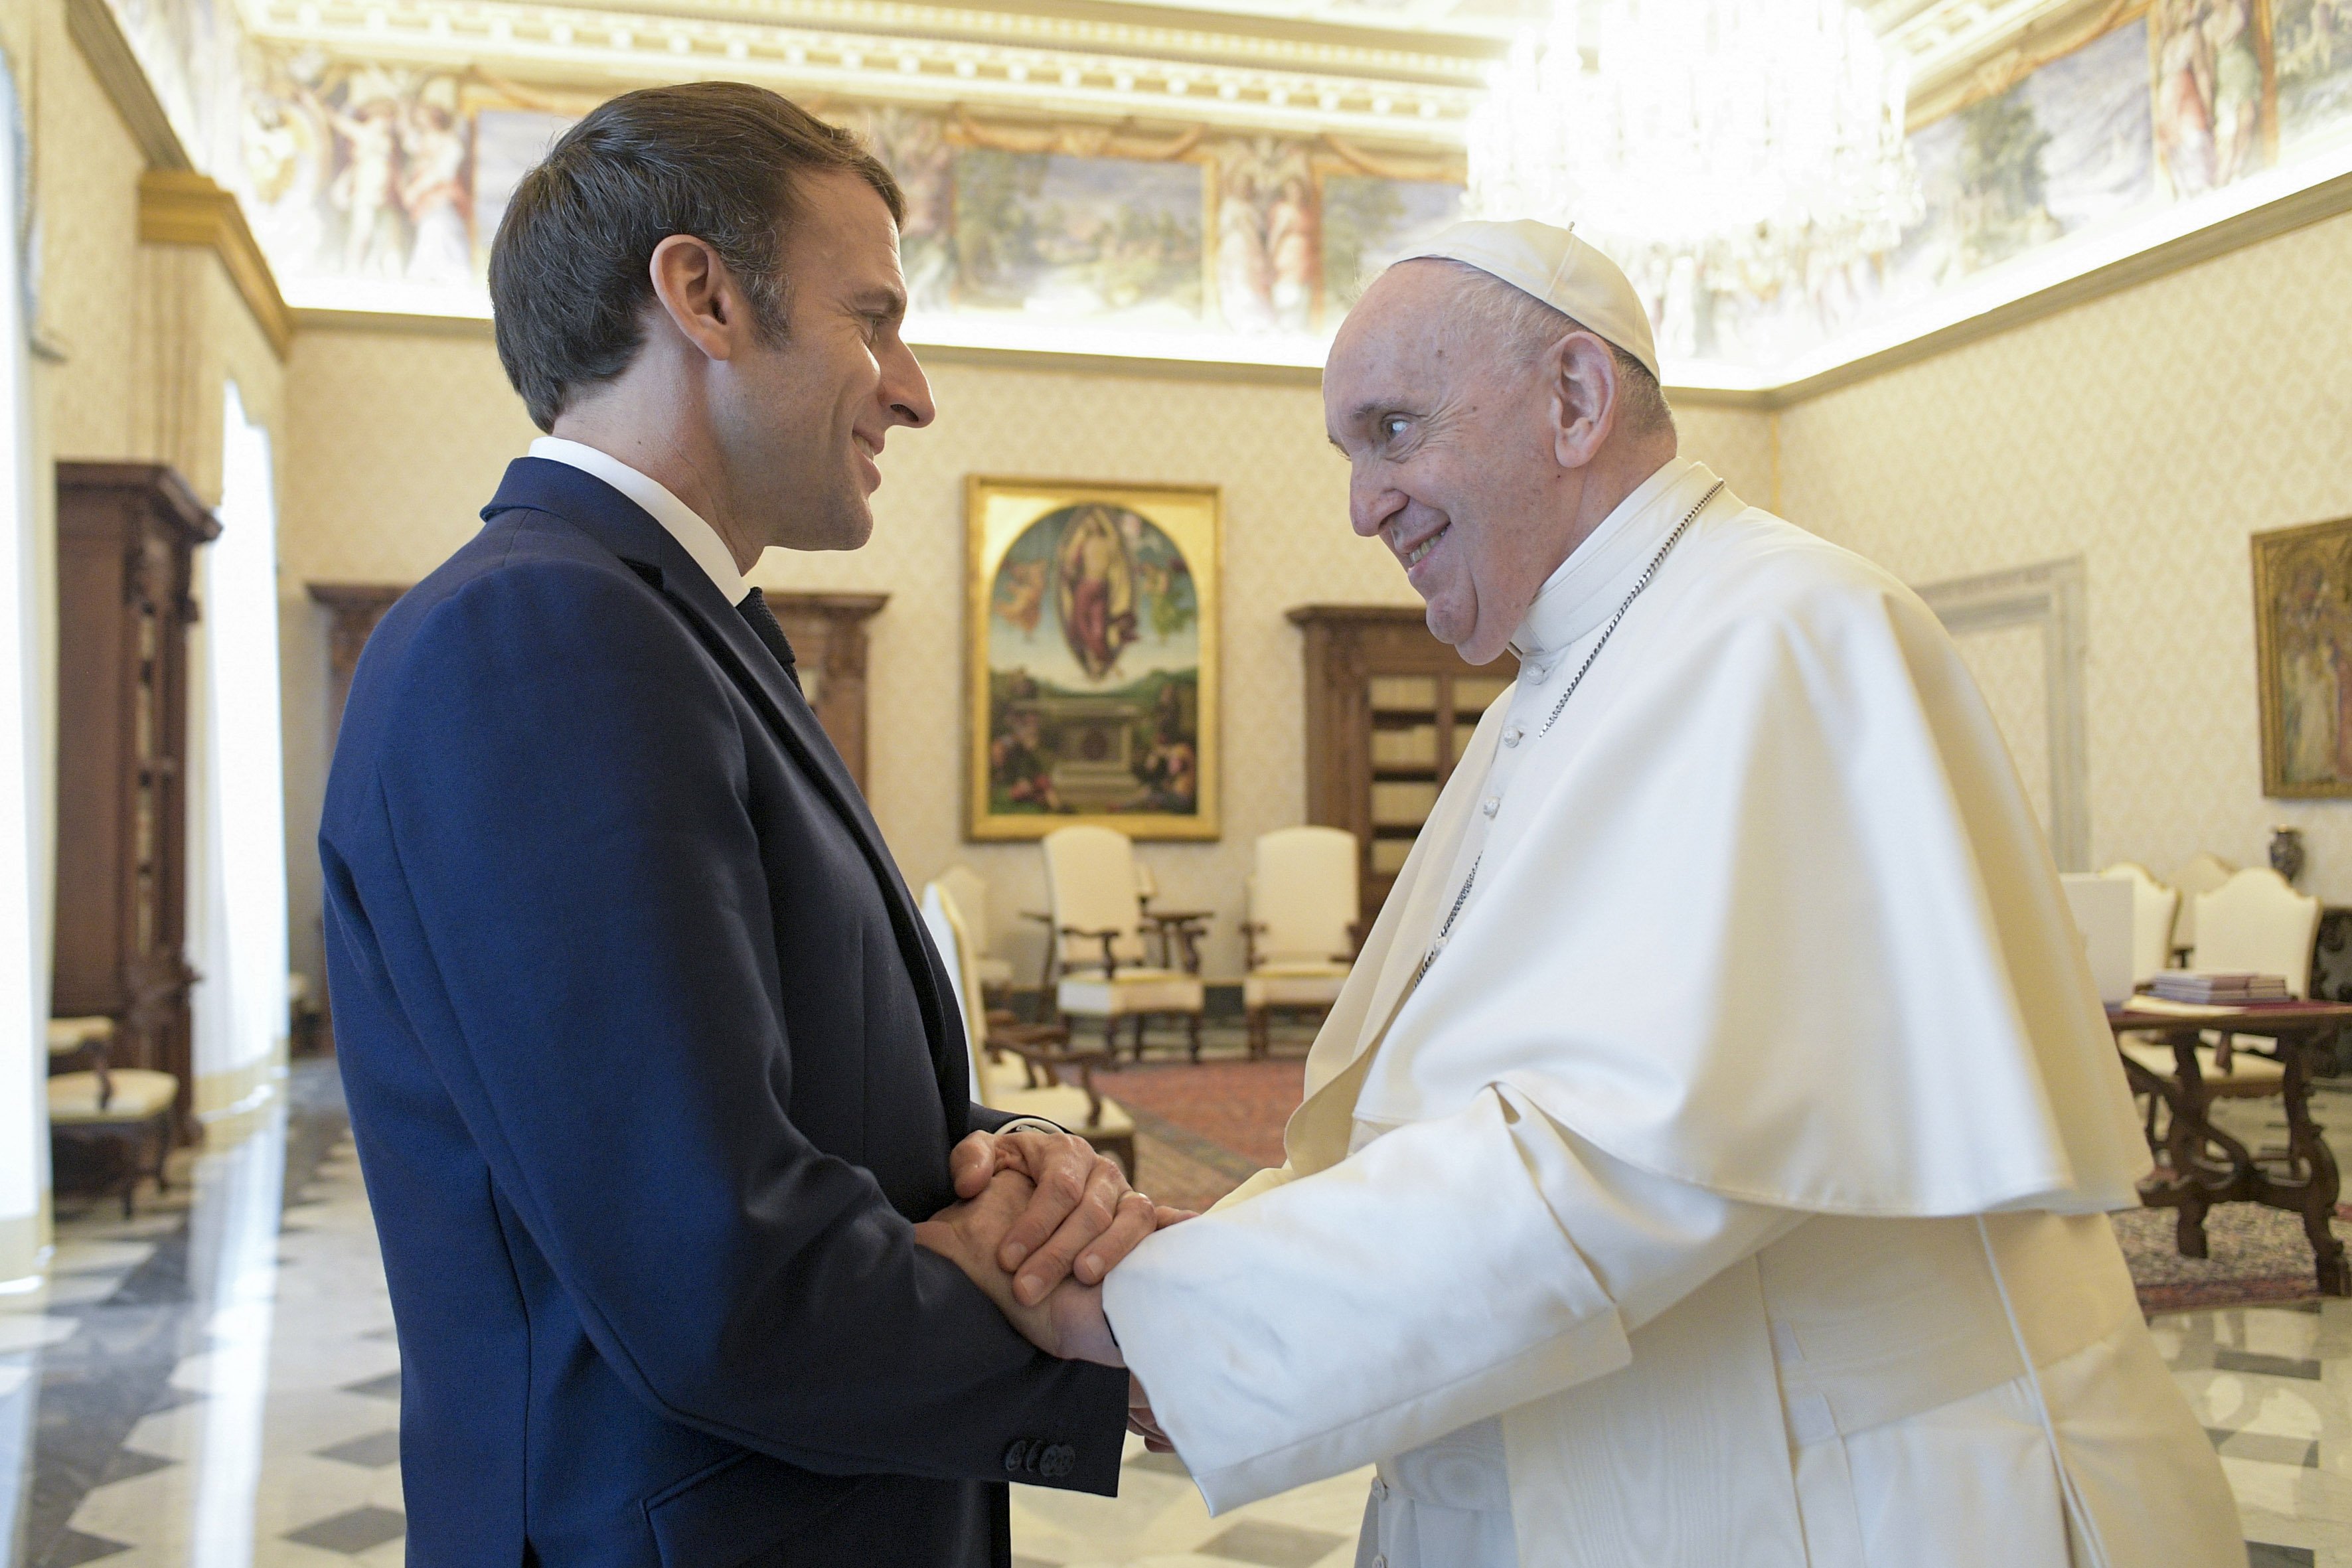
x,y
1438,944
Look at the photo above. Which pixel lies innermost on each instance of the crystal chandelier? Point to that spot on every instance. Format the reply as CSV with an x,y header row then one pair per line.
x,y
1729,144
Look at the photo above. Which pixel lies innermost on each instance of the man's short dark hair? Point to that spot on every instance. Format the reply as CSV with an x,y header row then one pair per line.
x,y
570,279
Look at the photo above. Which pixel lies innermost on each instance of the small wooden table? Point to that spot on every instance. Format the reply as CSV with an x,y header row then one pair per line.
x,y
2303,1183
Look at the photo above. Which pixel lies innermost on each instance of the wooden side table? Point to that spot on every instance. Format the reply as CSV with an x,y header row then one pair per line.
x,y
2305,1182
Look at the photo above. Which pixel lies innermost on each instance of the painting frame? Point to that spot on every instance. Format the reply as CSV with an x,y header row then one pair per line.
x,y
1000,514
2276,556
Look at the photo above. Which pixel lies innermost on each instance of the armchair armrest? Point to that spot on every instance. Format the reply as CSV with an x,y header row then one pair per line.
x,y
1182,930
1045,1050
1107,937
92,1053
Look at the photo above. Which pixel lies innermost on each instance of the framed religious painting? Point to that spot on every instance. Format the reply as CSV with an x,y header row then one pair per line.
x,y
2302,637
1091,626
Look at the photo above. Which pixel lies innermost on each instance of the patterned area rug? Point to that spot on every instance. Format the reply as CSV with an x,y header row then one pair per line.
x,y
1203,1130
2257,1256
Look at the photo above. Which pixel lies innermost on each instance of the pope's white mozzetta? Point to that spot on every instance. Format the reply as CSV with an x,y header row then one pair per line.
x,y
1729,1188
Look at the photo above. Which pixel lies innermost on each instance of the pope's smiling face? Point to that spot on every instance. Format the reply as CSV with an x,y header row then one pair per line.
x,y
1450,435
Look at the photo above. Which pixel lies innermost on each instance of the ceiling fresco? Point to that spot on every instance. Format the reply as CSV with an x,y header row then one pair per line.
x,y
1217,181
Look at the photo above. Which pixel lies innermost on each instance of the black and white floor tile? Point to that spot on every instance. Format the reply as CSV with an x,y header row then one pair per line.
x,y
214,1384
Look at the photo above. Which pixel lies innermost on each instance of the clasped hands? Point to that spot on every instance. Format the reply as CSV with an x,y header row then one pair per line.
x,y
1042,1219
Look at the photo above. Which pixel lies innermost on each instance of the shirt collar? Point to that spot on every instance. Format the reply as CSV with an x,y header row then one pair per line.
x,y
694,535
1590,584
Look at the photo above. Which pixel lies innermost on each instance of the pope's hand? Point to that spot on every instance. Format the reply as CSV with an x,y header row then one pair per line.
x,y
1069,1321
1082,1219
1141,1421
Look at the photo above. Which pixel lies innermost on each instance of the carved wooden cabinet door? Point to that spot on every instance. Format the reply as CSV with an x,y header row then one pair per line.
x,y
1388,710
127,534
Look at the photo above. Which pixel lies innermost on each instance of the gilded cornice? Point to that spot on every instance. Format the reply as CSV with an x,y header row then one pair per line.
x,y
180,206
95,32
895,51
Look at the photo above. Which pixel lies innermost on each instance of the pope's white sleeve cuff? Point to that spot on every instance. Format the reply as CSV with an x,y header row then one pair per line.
x,y
1414,1287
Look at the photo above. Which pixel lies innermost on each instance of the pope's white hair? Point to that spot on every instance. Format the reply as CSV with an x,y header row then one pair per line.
x,y
1527,327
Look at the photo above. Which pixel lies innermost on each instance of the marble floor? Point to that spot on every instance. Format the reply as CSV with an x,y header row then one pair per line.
x,y
214,1384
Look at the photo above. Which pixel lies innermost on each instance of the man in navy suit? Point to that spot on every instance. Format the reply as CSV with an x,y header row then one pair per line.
x,y
652,1069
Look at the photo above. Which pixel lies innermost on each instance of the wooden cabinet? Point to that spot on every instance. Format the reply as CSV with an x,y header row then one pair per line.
x,y
828,638
127,534
827,633
1388,710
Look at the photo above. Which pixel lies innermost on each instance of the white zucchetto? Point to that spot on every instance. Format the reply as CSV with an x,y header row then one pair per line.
x,y
1556,268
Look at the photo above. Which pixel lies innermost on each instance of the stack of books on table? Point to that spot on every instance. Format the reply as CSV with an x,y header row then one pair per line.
x,y
2221,988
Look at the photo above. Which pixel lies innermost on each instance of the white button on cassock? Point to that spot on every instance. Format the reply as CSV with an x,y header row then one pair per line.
x,y
1512,736
1491,805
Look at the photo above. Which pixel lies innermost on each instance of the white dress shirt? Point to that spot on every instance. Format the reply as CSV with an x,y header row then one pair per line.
x,y
685,525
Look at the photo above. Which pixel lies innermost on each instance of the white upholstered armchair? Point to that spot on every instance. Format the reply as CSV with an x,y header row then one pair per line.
x,y
1105,969
968,892
2204,873
1301,930
2253,923
2155,910
1026,1070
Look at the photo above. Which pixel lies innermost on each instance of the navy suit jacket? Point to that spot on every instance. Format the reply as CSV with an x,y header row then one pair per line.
x,y
651,1069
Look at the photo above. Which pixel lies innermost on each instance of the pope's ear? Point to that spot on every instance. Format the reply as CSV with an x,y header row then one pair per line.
x,y
1583,376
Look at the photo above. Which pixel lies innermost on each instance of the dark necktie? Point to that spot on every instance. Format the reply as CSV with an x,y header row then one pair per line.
x,y
764,624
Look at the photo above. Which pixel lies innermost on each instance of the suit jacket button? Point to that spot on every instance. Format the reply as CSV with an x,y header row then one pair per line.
x,y
1036,1456
1014,1456
1061,1459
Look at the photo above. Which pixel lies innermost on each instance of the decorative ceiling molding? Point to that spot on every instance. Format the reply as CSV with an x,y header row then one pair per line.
x,y
1195,26
871,49
180,206
2312,205
95,32
2024,46
1942,39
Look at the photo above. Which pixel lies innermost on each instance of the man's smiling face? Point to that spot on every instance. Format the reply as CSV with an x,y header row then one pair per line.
x,y
1449,438
818,404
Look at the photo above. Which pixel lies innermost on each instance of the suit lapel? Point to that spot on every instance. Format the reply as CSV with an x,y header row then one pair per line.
x,y
643,544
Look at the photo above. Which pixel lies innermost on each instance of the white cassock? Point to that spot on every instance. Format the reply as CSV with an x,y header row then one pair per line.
x,y
1729,1189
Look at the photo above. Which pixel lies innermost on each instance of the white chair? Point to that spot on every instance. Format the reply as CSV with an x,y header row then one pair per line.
x,y
128,1110
2204,873
1019,1068
2102,908
2257,924
2155,909
1098,920
1301,933
968,893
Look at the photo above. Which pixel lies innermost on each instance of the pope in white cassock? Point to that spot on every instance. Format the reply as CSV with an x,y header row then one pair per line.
x,y
1706,1162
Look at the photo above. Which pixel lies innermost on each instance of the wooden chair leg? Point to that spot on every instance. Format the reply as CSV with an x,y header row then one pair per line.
x,y
1138,1036
1193,1034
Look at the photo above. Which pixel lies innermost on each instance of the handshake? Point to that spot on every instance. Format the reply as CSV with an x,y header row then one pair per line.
x,y
1042,1219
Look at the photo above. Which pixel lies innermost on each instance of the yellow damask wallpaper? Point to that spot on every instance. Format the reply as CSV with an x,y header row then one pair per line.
x,y
2153,432
398,440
